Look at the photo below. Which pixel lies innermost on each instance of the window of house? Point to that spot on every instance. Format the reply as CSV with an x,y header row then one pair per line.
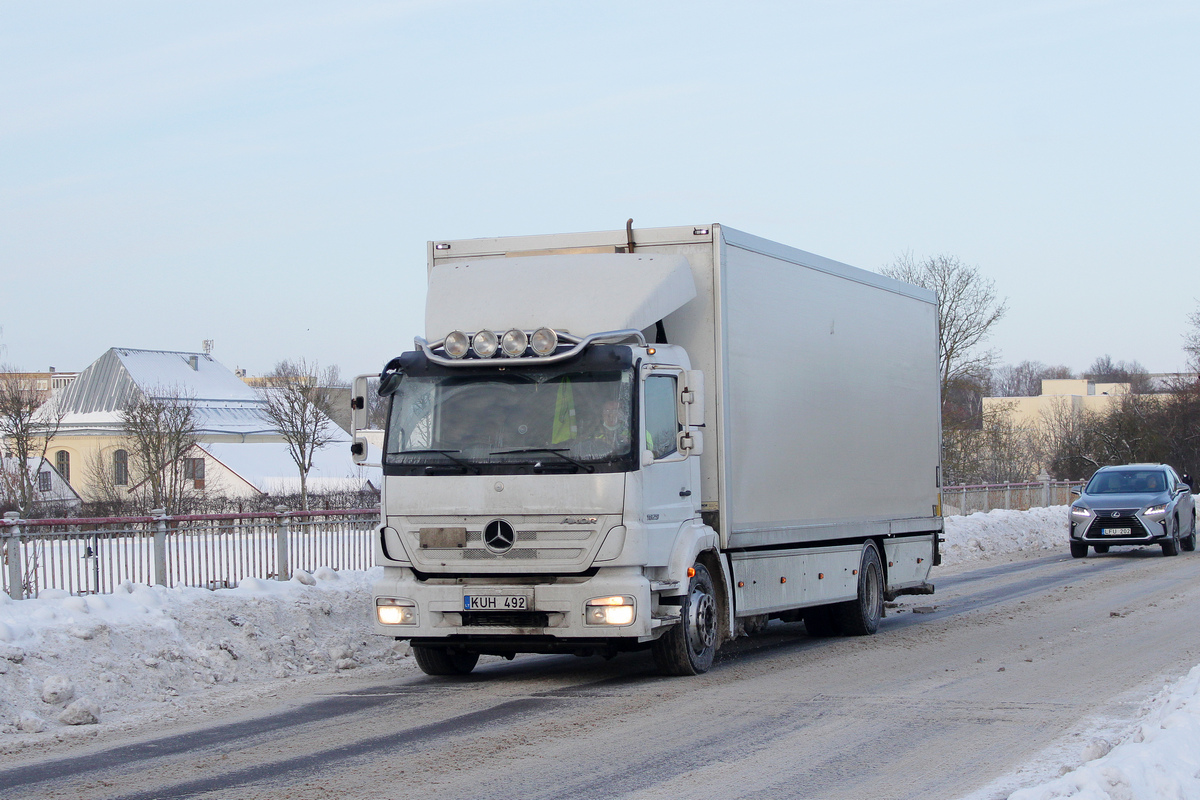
x,y
193,470
62,463
120,468
44,482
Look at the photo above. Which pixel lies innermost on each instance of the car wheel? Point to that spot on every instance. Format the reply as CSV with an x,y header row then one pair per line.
x,y
688,648
1101,548
1170,547
1078,550
1189,543
440,661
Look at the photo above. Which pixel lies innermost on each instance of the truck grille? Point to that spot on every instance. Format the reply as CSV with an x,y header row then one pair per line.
x,y
1127,521
544,542
506,619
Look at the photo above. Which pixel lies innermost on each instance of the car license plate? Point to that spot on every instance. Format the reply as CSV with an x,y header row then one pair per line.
x,y
495,602
1114,531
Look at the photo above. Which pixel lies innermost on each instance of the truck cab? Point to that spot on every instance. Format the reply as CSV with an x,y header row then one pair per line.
x,y
534,503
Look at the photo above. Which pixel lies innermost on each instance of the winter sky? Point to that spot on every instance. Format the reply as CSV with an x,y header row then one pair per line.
x,y
267,174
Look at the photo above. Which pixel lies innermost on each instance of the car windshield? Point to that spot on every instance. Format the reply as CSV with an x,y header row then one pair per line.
x,y
1128,481
478,421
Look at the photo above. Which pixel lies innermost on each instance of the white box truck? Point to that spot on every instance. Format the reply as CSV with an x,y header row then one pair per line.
x,y
654,438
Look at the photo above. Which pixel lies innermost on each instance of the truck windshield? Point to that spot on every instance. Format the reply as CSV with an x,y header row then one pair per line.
x,y
512,420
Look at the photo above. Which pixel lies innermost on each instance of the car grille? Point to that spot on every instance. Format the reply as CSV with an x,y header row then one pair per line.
x,y
1127,521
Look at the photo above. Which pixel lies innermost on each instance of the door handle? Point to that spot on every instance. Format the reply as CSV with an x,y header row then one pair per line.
x,y
685,492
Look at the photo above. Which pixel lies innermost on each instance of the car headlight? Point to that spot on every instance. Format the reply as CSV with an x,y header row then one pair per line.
x,y
394,611
1152,511
617,610
1079,511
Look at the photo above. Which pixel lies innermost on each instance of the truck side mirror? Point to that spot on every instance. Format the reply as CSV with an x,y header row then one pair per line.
x,y
358,418
690,442
691,397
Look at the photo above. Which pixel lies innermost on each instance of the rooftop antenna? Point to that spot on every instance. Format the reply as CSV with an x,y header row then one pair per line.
x,y
208,344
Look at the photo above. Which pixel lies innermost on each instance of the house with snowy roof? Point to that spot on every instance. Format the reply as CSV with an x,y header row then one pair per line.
x,y
49,488
238,452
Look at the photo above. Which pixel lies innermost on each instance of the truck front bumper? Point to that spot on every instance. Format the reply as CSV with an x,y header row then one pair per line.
x,y
515,615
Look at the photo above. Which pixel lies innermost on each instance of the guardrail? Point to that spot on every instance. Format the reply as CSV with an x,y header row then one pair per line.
x,y
961,500
213,551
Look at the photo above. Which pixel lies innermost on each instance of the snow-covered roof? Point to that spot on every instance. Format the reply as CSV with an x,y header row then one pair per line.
x,y
223,402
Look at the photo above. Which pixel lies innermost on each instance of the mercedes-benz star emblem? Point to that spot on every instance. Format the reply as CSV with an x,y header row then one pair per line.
x,y
499,536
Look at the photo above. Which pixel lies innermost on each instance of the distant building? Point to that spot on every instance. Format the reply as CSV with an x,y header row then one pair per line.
x,y
1073,394
238,452
44,383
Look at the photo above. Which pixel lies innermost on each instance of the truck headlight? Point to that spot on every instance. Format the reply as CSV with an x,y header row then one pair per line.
x,y
544,341
485,343
1154,511
456,344
394,611
616,610
514,342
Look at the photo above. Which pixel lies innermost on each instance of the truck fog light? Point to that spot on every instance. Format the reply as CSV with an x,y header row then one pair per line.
x,y
391,611
485,343
456,344
617,610
544,341
514,343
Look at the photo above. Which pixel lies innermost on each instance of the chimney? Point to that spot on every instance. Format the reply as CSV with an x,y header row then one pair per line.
x,y
194,362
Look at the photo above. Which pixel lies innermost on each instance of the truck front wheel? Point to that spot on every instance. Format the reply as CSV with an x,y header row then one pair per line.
x,y
689,646
440,661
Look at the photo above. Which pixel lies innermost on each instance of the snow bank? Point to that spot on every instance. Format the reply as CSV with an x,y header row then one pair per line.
x,y
996,533
1161,759
148,651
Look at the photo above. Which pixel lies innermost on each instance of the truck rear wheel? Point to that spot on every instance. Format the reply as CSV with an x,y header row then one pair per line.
x,y
440,661
861,617
688,647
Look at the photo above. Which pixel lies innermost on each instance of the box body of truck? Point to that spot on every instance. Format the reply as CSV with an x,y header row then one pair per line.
x,y
779,414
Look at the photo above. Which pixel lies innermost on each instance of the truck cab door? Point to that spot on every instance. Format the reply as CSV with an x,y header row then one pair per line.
x,y
670,479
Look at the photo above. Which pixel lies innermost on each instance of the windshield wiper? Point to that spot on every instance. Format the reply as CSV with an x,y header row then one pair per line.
x,y
557,451
464,464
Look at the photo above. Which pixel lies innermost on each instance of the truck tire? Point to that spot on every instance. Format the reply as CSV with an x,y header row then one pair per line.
x,y
1079,550
440,661
860,617
688,648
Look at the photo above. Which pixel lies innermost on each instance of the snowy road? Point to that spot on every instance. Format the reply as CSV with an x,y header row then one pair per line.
x,y
1010,660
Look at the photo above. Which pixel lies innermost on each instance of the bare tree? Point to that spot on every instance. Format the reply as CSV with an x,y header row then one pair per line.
x,y
1105,370
1191,342
1001,450
29,420
1024,379
967,309
159,430
298,400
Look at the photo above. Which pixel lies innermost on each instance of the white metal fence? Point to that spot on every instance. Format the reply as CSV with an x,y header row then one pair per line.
x,y
958,500
86,556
